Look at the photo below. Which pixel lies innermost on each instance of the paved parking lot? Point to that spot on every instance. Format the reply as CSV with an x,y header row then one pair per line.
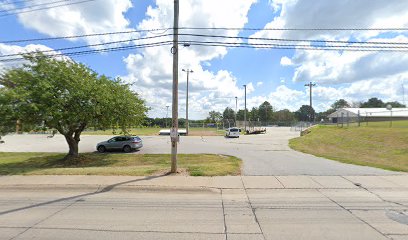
x,y
266,154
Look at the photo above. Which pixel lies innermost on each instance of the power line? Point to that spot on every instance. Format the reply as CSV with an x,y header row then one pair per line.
x,y
203,28
16,2
86,52
367,45
45,8
84,35
35,5
294,29
206,44
90,45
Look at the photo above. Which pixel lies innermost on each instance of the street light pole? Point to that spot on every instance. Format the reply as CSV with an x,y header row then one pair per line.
x,y
174,127
236,110
310,85
167,114
245,110
188,72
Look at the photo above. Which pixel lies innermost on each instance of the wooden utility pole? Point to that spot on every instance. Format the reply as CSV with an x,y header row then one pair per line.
x,y
311,85
174,128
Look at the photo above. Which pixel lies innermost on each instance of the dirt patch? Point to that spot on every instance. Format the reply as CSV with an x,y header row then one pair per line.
x,y
180,172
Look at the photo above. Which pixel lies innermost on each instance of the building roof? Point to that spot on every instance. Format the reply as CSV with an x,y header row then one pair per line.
x,y
371,112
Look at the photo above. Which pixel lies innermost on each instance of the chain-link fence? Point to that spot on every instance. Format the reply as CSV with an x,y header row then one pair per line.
x,y
377,118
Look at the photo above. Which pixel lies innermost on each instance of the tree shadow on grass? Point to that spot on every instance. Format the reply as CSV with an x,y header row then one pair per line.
x,y
56,161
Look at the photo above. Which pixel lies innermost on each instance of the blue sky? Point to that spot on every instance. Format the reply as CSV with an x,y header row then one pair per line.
x,y
273,75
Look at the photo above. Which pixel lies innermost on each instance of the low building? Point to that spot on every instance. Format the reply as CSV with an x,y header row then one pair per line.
x,y
343,115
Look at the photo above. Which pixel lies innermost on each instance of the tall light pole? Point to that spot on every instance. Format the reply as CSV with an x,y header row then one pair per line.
x,y
310,85
167,114
188,72
174,127
245,110
236,110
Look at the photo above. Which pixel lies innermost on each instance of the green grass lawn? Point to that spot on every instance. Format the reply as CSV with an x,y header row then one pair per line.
x,y
151,131
116,164
375,145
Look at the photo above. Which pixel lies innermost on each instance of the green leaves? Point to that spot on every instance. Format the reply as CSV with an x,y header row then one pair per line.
x,y
67,96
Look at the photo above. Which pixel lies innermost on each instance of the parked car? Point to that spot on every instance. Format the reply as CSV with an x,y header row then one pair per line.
x,y
232,132
124,143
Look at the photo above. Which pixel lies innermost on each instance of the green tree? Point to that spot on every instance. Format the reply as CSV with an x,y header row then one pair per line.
x,y
214,117
228,114
395,104
305,113
265,112
68,96
240,115
341,103
253,114
284,116
373,103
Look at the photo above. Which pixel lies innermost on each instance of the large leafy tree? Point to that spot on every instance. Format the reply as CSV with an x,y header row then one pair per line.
x,y
253,114
395,104
68,96
265,112
373,103
305,113
214,116
341,103
228,114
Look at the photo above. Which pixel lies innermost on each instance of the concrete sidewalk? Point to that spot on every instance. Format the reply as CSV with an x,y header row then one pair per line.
x,y
178,207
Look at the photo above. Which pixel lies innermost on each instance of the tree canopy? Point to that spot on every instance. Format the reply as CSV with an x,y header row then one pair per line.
x,y
228,114
68,96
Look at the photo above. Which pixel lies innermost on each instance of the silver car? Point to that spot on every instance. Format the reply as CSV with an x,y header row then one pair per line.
x,y
124,143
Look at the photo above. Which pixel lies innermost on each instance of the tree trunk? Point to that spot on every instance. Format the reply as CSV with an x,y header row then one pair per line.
x,y
73,146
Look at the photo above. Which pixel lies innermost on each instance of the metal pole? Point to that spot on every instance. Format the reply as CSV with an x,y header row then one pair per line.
x,y
358,117
188,72
391,119
174,129
236,110
167,114
245,110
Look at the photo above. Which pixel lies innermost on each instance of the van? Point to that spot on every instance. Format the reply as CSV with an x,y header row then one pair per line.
x,y
232,132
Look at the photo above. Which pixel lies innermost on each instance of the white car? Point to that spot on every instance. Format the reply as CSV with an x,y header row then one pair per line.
x,y
232,132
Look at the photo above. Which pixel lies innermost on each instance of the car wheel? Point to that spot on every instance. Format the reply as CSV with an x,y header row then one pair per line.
x,y
127,148
101,149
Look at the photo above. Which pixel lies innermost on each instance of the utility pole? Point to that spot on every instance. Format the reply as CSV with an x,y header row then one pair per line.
x,y
188,71
174,128
167,114
311,85
403,93
236,110
245,110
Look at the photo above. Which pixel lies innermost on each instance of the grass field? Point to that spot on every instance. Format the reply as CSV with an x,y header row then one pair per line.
x,y
151,131
375,145
116,164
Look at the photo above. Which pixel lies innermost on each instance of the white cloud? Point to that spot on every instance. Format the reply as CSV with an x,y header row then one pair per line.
x,y
85,18
259,84
285,61
151,68
14,49
355,76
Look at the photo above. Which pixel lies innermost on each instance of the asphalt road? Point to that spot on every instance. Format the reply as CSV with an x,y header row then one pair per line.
x,y
256,208
266,154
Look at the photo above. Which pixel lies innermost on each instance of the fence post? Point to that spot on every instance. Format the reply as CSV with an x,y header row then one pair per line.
x,y
358,118
342,119
348,119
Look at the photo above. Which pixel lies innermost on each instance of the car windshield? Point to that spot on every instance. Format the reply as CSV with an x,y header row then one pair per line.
x,y
234,130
